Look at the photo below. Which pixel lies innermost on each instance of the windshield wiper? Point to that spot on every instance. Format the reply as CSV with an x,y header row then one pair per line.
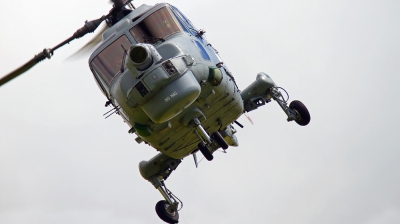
x,y
154,39
123,59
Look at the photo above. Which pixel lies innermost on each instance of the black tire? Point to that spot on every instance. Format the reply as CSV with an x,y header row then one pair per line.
x,y
206,153
302,111
220,140
166,215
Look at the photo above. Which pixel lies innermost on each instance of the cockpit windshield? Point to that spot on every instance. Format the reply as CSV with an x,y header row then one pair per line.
x,y
109,62
156,27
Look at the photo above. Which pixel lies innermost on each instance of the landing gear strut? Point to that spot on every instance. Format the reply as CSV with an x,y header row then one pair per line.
x,y
217,137
156,171
208,144
296,111
167,209
263,90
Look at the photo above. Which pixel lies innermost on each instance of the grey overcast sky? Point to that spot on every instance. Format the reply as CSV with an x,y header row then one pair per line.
x,y
61,162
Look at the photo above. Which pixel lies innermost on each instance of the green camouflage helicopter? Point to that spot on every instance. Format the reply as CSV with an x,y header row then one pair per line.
x,y
168,83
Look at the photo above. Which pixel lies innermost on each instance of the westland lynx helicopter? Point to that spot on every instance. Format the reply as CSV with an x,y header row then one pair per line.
x,y
168,83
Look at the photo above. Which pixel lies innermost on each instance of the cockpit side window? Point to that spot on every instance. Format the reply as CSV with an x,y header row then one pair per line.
x,y
109,62
156,27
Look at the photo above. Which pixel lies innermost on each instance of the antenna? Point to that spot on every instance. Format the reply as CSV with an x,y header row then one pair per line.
x,y
112,111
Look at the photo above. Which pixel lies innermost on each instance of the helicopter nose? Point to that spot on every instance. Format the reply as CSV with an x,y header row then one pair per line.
x,y
171,100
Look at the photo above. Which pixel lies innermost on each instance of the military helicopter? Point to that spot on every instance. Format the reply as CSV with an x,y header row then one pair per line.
x,y
168,83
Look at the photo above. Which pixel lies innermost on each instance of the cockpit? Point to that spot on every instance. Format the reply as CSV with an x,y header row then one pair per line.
x,y
110,62
154,28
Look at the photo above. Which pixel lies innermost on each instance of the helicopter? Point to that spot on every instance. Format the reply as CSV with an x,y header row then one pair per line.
x,y
169,84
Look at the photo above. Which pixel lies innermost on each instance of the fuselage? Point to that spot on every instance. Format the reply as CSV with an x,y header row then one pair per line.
x,y
185,79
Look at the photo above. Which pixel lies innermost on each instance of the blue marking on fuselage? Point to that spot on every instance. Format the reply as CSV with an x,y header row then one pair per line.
x,y
203,51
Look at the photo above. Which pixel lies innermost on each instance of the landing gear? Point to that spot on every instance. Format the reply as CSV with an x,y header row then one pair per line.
x,y
220,140
263,90
303,116
166,213
204,150
296,111
167,209
208,144
156,171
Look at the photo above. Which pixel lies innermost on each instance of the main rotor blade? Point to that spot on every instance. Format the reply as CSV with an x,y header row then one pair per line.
x,y
89,27
28,65
91,44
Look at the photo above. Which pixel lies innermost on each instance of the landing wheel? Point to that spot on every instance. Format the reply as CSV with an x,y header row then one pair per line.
x,y
301,110
165,212
204,150
219,139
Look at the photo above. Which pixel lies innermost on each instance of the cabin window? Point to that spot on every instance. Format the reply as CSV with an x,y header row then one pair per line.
x,y
110,61
156,27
